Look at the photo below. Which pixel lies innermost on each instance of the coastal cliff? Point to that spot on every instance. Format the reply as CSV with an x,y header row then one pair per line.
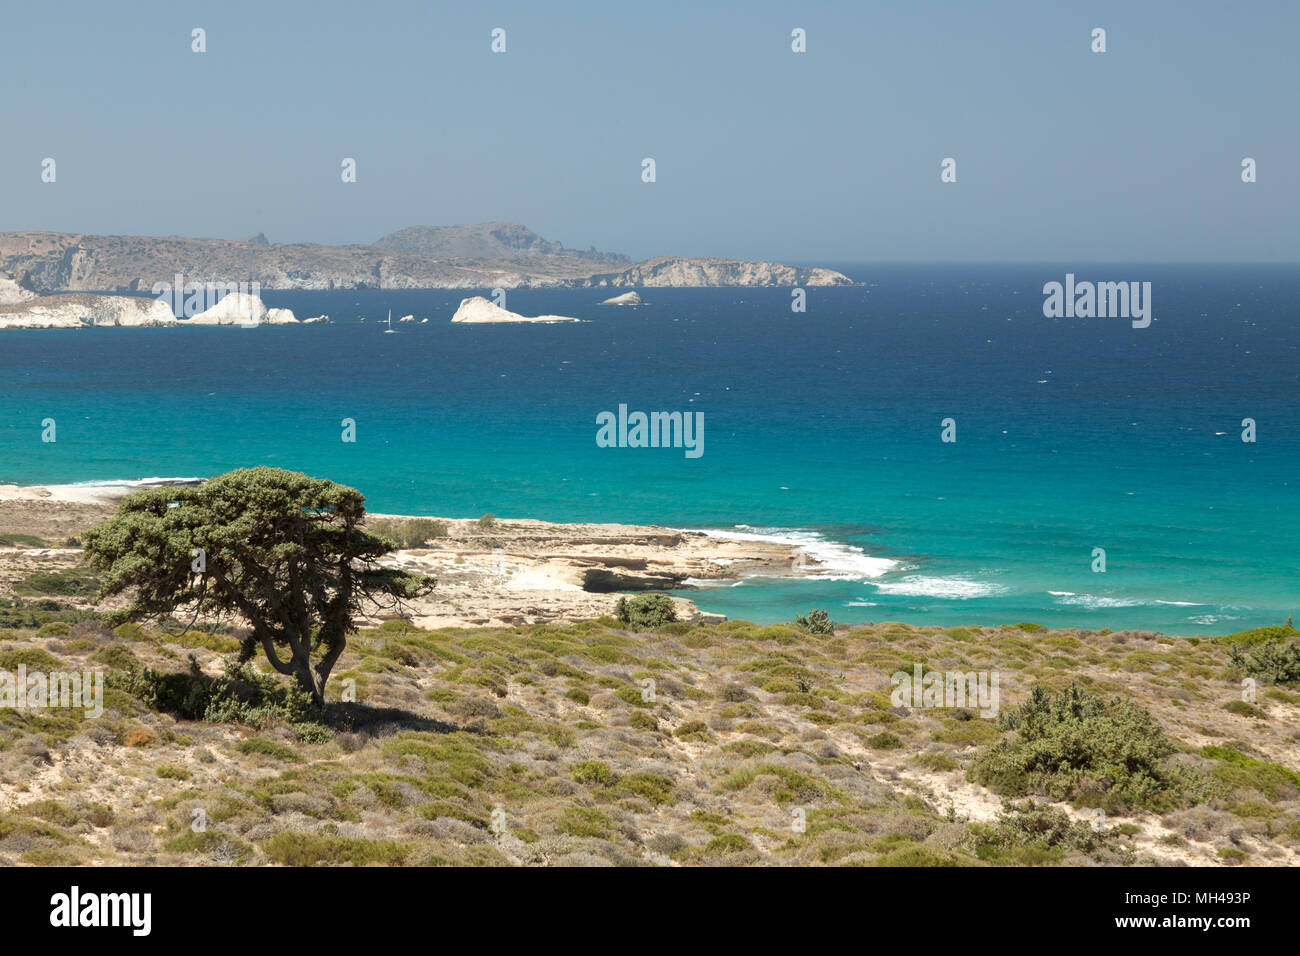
x,y
78,311
675,271
11,293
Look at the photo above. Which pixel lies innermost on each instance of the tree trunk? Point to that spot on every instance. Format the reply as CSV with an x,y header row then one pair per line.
x,y
309,680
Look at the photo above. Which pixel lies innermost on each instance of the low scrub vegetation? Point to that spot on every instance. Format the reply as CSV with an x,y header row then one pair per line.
x,y
654,742
1076,745
409,532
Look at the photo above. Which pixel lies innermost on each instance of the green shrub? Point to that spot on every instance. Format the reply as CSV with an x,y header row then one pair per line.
x,y
50,856
1260,635
449,808
310,732
1077,746
409,533
1243,709
1240,772
646,611
917,856
748,748
585,822
33,658
168,772
20,541
118,656
210,841
63,583
594,772
817,622
1272,661
241,695
654,788
51,811
692,730
268,748
1032,825
935,761
727,843
309,849
790,786
634,696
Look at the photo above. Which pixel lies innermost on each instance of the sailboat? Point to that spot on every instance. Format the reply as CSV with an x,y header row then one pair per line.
x,y
390,330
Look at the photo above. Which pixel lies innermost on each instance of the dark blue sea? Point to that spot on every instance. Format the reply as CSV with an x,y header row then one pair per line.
x,y
822,428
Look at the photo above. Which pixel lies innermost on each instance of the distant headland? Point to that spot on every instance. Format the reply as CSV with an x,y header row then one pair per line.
x,y
484,256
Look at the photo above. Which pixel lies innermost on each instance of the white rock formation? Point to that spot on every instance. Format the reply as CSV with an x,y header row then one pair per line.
x,y
319,320
479,309
627,298
242,308
12,293
407,318
83,310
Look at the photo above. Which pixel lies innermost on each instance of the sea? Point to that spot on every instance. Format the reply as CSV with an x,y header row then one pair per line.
x,y
1096,474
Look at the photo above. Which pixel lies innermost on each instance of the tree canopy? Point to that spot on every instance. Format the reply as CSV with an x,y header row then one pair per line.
x,y
283,551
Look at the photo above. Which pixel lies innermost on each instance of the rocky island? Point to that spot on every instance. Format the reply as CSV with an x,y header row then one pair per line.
x,y
484,256
479,310
627,298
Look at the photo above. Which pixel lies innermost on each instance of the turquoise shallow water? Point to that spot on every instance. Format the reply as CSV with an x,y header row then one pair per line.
x,y
821,427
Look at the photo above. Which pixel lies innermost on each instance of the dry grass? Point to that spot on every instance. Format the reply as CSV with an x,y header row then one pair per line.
x,y
545,745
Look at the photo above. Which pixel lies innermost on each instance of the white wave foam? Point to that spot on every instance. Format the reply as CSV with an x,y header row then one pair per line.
x,y
133,482
1098,601
1094,602
957,589
1208,619
828,560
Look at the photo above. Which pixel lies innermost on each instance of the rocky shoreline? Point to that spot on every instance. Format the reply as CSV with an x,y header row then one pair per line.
x,y
84,310
503,572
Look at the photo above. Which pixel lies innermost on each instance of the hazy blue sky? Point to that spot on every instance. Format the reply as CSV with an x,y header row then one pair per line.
x,y
761,153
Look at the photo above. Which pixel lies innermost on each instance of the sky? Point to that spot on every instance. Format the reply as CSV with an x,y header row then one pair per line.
x,y
831,155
